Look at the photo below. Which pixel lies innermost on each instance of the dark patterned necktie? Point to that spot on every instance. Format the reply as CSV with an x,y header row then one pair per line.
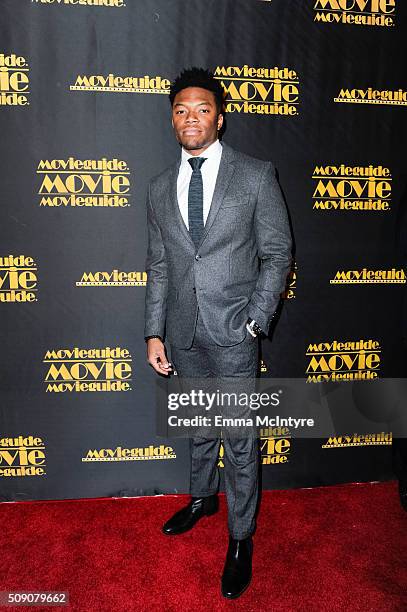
x,y
195,200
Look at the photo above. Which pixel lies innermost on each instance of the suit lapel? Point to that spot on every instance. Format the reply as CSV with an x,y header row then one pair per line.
x,y
225,173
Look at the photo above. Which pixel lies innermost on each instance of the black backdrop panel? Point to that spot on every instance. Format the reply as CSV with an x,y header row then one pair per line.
x,y
85,123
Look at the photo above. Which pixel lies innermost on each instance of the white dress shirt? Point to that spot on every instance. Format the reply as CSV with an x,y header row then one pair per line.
x,y
209,171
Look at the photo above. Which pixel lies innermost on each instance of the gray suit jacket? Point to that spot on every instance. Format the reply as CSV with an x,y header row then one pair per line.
x,y
240,266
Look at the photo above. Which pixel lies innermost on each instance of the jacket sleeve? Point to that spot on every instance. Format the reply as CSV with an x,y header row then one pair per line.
x,y
274,244
157,279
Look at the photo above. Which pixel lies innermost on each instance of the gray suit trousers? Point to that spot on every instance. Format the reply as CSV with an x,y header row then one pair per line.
x,y
206,359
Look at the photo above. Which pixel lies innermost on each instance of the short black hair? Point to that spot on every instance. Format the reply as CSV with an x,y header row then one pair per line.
x,y
198,77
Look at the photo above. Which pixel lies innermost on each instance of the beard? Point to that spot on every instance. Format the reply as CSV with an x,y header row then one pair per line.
x,y
196,143
206,135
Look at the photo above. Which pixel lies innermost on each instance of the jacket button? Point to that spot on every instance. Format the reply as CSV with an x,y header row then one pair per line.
x,y
197,257
194,289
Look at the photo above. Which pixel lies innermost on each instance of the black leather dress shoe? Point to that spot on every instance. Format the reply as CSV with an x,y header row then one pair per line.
x,y
403,494
237,572
185,519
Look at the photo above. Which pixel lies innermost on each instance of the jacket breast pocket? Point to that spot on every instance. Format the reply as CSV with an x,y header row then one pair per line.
x,y
241,200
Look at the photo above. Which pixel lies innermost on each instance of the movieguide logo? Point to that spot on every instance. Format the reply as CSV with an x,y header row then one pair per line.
x,y
353,188
275,446
148,453
88,370
291,285
375,439
90,182
335,360
107,3
113,279
18,279
22,456
372,96
263,91
14,80
128,84
365,276
356,12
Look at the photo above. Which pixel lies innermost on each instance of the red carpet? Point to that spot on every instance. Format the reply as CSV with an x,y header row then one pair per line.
x,y
331,548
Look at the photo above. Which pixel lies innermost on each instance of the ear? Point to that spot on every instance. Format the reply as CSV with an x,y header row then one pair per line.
x,y
220,121
172,122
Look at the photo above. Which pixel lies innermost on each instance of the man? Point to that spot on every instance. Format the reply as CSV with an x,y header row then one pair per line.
x,y
217,261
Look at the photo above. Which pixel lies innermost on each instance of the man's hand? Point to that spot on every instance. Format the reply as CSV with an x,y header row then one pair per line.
x,y
156,356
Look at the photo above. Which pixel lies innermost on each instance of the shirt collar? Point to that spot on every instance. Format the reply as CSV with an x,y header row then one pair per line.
x,y
213,151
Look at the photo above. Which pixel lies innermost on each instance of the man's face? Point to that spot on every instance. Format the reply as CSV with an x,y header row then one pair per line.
x,y
195,119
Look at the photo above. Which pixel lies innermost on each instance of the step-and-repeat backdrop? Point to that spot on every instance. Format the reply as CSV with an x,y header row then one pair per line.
x,y
316,86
